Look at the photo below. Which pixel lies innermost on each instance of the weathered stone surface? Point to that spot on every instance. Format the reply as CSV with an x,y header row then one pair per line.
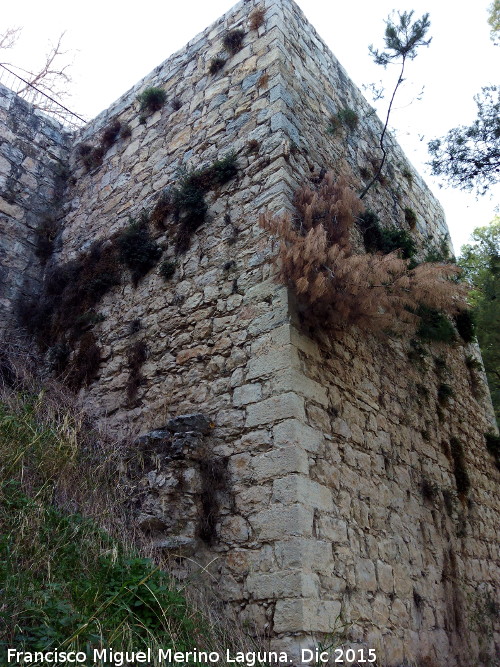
x,y
277,407
193,422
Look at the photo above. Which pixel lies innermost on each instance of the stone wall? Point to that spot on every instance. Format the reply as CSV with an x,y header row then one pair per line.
x,y
323,473
33,159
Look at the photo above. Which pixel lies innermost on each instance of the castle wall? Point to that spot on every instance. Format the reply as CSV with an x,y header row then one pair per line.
x,y
329,457
33,149
393,543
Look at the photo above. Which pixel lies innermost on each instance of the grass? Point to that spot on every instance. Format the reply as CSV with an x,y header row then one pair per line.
x,y
71,575
152,99
345,117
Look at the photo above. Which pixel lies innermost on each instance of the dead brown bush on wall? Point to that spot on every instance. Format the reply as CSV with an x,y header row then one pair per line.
x,y
337,285
257,18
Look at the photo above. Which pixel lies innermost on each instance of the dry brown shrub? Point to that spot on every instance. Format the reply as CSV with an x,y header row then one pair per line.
x,y
263,81
257,18
335,284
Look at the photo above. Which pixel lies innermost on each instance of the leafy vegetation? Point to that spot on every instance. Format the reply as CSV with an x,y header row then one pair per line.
x,y
403,37
469,157
493,446
137,250
480,262
152,99
188,198
434,326
344,117
216,64
167,269
385,240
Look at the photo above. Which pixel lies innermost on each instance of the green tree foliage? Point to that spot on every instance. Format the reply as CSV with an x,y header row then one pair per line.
x,y
494,20
403,37
480,262
469,157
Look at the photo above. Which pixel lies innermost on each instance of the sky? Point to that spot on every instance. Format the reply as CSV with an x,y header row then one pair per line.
x,y
113,46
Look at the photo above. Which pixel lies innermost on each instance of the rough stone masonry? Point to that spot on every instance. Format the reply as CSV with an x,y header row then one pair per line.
x,y
319,471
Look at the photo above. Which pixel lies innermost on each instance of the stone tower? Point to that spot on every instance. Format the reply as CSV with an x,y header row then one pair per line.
x,y
320,471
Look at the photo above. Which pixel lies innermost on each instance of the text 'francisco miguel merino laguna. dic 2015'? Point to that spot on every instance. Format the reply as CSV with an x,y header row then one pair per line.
x,y
123,658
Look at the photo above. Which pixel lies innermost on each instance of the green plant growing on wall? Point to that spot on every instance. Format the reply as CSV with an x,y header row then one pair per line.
x,y
406,173
167,269
385,240
110,134
216,64
410,218
66,307
403,37
152,99
137,250
493,446
440,252
434,326
466,325
345,117
459,468
444,393
233,41
188,197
